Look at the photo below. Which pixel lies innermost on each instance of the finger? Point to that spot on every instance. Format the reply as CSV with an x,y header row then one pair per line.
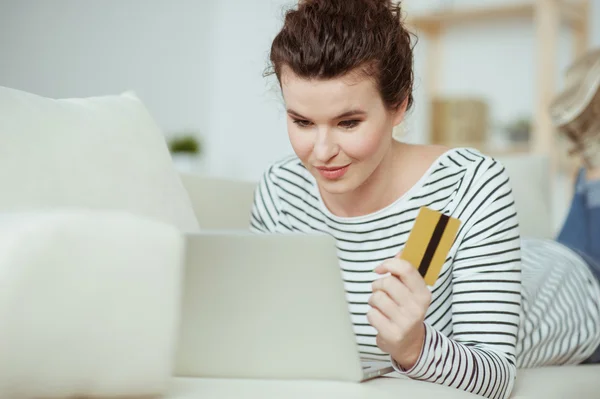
x,y
378,321
382,268
406,273
382,302
394,288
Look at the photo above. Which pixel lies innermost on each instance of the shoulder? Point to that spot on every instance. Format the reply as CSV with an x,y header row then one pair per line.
x,y
468,159
470,178
476,166
484,195
483,175
442,161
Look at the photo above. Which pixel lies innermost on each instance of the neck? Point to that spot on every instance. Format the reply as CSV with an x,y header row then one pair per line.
x,y
380,190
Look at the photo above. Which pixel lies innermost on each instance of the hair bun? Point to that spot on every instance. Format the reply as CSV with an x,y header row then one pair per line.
x,y
348,6
387,3
326,39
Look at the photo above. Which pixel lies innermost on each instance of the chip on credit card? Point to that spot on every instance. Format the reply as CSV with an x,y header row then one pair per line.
x,y
429,243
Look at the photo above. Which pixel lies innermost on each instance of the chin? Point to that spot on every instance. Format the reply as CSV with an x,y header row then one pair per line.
x,y
337,187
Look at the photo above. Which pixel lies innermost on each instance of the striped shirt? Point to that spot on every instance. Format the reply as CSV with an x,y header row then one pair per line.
x,y
499,303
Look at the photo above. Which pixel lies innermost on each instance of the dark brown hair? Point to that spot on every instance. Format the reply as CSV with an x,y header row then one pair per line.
x,y
324,39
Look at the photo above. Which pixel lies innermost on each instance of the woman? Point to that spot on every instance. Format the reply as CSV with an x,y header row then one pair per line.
x,y
345,69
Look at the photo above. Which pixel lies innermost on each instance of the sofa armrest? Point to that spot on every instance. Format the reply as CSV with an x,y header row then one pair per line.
x,y
89,304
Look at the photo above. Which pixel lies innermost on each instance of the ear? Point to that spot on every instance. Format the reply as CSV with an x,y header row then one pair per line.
x,y
399,112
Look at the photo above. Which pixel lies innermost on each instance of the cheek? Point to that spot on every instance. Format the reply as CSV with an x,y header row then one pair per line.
x,y
366,144
301,141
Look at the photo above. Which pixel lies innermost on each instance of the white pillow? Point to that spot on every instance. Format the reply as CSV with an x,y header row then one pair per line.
x,y
89,304
96,153
530,181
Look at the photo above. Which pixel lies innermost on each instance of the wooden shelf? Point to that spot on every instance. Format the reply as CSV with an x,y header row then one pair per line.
x,y
431,21
547,18
573,13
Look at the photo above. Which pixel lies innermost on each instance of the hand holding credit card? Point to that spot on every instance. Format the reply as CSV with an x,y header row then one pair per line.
x,y
429,243
400,300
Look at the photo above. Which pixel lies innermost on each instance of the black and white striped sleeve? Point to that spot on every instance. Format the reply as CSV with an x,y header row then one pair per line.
x,y
479,357
266,210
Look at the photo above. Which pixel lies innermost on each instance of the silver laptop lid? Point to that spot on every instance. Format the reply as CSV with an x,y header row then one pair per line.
x,y
265,306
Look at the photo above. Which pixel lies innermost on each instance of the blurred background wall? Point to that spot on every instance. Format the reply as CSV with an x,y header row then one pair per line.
x,y
198,65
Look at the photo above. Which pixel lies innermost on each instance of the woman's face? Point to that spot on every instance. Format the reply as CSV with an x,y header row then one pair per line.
x,y
339,128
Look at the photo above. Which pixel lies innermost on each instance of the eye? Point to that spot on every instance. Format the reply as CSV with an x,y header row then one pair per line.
x,y
302,123
349,124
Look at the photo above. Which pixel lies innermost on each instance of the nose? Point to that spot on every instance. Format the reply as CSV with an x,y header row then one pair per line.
x,y
325,147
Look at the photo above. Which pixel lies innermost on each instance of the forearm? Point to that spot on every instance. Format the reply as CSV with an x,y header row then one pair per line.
x,y
475,368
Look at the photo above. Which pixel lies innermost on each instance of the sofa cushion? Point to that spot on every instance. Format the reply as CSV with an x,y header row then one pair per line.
x,y
547,383
97,153
530,179
89,304
220,204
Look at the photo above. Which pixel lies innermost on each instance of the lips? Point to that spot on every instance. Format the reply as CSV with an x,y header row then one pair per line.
x,y
333,172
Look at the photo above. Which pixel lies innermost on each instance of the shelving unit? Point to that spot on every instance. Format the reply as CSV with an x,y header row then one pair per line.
x,y
548,16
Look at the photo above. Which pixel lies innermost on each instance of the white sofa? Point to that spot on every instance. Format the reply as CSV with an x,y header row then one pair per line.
x,y
227,207
91,248
90,199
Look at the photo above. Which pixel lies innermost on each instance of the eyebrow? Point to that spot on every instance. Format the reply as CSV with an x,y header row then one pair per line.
x,y
352,112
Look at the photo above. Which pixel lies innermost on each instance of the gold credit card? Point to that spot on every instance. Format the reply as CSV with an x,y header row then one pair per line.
x,y
429,243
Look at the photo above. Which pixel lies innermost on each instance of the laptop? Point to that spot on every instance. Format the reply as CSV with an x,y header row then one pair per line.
x,y
267,306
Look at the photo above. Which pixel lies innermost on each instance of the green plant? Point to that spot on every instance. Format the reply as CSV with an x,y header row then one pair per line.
x,y
519,129
520,125
187,143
